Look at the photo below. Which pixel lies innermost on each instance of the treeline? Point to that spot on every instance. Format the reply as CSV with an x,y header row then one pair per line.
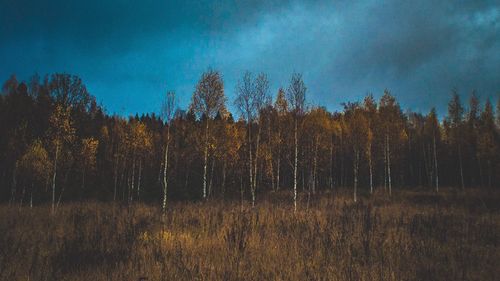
x,y
58,145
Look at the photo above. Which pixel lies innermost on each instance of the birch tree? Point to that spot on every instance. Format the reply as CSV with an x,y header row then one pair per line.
x,y
318,128
296,95
61,133
207,100
252,96
370,108
393,131
167,113
357,132
281,106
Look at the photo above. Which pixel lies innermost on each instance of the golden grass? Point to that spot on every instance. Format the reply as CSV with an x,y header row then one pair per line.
x,y
415,235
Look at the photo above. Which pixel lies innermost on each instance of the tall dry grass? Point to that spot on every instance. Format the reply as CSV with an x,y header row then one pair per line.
x,y
412,236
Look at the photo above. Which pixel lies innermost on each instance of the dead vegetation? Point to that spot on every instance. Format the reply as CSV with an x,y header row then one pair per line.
x,y
413,236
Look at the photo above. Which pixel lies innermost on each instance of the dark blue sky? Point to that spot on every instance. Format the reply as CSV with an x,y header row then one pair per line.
x,y
130,52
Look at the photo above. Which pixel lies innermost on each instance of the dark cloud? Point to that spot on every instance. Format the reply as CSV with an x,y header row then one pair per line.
x,y
128,52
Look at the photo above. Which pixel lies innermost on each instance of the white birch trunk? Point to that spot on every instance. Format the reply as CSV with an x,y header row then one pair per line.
x,y
254,188
205,162
139,180
278,164
132,184
165,167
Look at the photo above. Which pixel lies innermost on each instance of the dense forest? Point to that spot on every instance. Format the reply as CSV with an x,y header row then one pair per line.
x,y
58,145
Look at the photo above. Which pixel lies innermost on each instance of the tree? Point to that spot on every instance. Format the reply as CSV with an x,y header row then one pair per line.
x,y
167,113
281,106
119,148
207,100
455,121
487,139
148,156
35,164
370,108
357,131
296,96
139,143
69,91
61,133
252,96
432,132
392,126
471,133
317,126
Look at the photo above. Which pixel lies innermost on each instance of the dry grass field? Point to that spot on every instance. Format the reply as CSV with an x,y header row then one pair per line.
x,y
415,235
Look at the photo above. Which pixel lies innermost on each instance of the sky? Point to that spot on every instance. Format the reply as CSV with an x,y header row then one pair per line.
x,y
129,52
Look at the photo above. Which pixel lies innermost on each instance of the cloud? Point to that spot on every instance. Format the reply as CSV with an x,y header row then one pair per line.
x,y
418,49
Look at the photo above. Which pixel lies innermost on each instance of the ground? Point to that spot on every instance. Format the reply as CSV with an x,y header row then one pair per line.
x,y
414,235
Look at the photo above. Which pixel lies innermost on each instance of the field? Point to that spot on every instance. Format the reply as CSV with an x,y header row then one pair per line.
x,y
415,235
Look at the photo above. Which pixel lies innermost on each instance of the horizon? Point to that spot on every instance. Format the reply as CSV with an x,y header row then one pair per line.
x,y
441,110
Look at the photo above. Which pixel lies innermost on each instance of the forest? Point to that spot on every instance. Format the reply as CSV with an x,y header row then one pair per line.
x,y
276,190
58,145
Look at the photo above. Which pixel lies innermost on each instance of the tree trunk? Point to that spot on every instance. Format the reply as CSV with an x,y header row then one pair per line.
x,y
31,196
83,180
139,180
54,175
480,168
410,163
370,167
165,167
115,179
489,173
330,179
60,195
23,192
385,166
427,163
295,168
342,160
356,165
278,164
223,185
389,165
186,177
241,190
205,162
211,177
254,189
436,164
271,159
250,161
132,184
122,178
13,190
315,166
460,165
